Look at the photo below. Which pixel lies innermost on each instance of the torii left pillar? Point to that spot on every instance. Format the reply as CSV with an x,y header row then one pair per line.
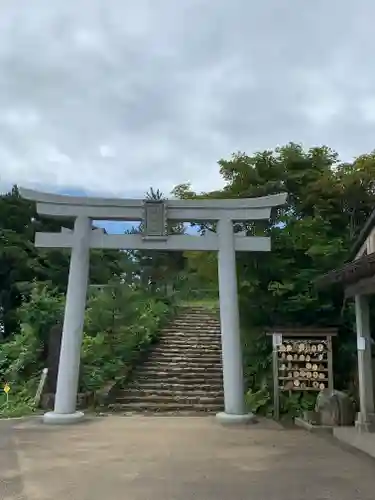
x,y
70,353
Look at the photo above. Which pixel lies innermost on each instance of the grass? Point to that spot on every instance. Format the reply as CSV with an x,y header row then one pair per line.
x,y
15,406
21,409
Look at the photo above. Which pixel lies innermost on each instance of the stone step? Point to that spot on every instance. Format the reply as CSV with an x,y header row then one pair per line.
x,y
181,355
198,332
150,406
184,347
172,377
191,351
198,327
198,314
182,376
166,370
171,398
176,386
196,392
189,379
199,309
179,370
194,323
190,342
183,372
165,413
186,350
191,335
183,363
191,339
198,324
197,320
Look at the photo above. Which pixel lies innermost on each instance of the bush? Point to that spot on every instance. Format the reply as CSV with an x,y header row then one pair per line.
x,y
20,399
43,309
258,402
20,357
114,340
121,322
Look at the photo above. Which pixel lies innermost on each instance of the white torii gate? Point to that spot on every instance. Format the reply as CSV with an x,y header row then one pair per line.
x,y
155,215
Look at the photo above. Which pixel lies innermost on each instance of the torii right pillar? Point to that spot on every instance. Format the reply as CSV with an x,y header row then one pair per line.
x,y
234,406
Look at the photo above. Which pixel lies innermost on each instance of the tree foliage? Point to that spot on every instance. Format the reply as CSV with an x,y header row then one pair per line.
x,y
121,322
328,203
21,263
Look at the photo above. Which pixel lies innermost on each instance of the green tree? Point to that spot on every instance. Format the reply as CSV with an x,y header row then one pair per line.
x,y
327,205
21,263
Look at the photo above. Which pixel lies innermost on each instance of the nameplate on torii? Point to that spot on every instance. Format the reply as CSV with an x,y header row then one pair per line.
x,y
155,220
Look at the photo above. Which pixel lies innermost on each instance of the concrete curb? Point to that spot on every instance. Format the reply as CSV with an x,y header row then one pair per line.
x,y
354,440
315,429
14,420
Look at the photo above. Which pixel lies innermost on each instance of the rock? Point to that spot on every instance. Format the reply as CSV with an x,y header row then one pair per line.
x,y
334,408
47,401
53,356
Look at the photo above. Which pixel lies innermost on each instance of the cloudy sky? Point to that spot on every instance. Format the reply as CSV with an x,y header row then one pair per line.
x,y
112,96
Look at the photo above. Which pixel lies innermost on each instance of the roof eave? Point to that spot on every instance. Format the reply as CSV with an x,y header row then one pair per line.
x,y
365,231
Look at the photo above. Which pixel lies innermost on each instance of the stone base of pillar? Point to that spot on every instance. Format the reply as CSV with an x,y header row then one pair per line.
x,y
53,418
367,425
232,419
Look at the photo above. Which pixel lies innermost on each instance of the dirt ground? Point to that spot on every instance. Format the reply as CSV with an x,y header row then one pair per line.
x,y
176,458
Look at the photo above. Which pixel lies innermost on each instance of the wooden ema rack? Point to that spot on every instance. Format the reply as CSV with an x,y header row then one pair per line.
x,y
302,361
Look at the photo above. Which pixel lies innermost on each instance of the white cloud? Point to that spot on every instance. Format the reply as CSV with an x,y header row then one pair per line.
x,y
111,96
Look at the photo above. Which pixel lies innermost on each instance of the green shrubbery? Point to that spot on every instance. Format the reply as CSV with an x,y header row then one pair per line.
x,y
121,323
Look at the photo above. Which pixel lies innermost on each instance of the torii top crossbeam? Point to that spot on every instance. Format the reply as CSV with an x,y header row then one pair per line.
x,y
133,210
154,214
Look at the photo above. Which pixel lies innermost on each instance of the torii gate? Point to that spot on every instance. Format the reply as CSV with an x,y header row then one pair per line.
x,y
154,214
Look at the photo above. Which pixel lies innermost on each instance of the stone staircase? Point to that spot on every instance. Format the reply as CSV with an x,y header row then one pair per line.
x,y
183,373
